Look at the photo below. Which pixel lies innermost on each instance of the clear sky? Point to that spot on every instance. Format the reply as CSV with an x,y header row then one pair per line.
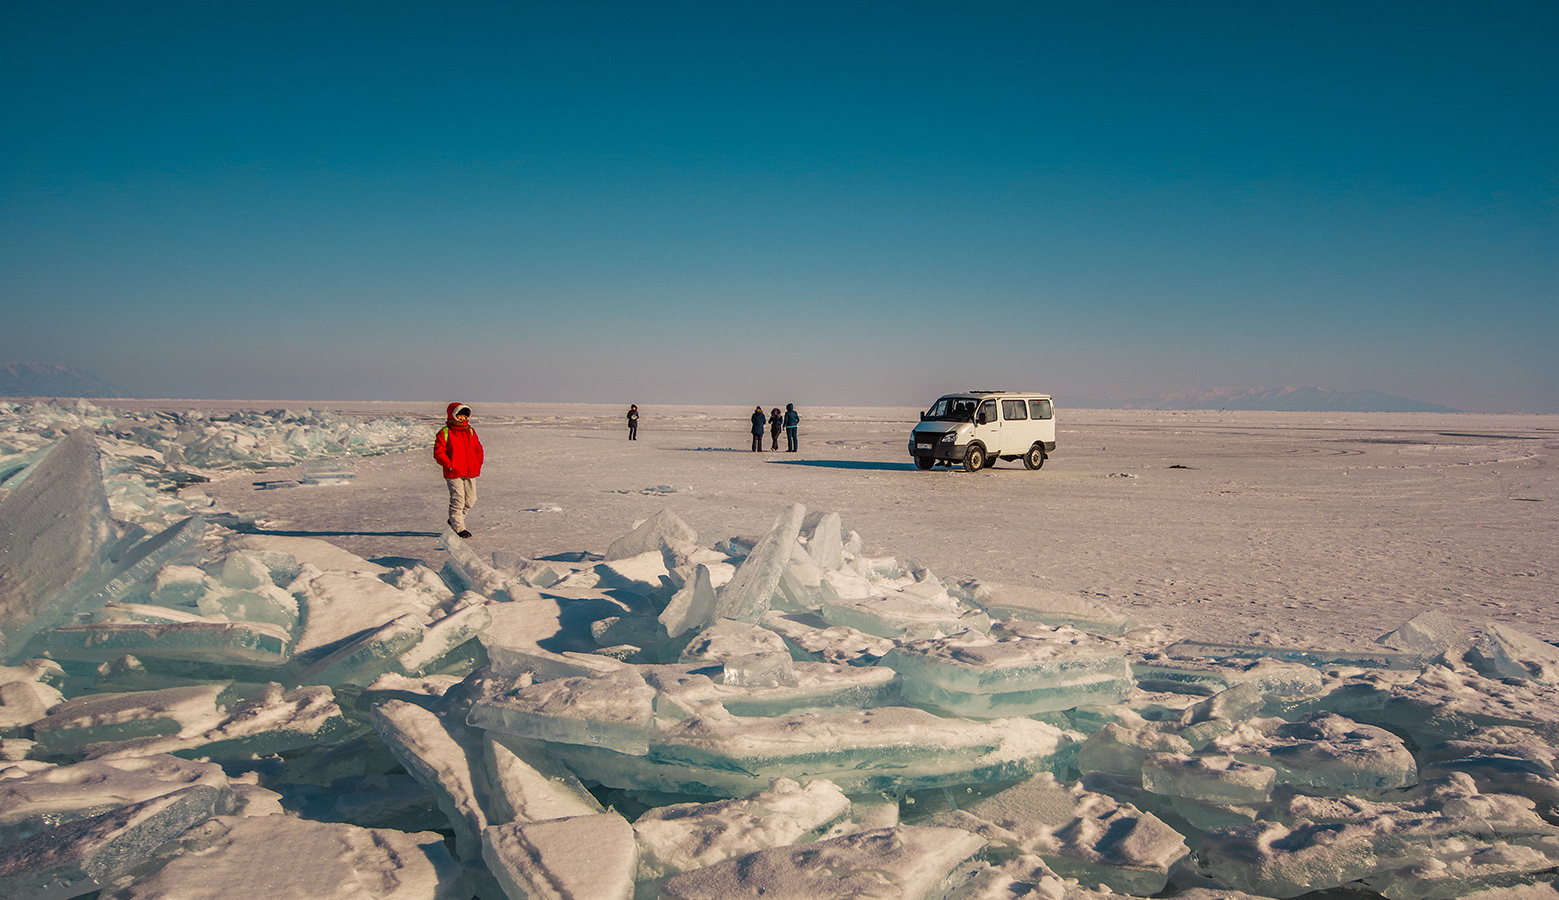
x,y
827,203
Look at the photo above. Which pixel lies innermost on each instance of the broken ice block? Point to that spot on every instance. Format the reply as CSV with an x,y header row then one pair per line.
x,y
1432,634
687,836
55,529
901,617
80,856
827,546
1288,681
36,796
906,863
1323,750
1445,704
469,618
1008,601
747,595
818,687
888,748
692,606
236,643
582,858
360,661
664,529
272,721
833,644
1207,779
1118,750
1081,834
984,677
281,856
645,574
27,693
440,755
612,710
525,783
98,718
328,471
727,639
1516,654
760,670
142,561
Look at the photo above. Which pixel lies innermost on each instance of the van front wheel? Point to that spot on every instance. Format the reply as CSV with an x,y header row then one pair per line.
x,y
924,462
1034,458
974,458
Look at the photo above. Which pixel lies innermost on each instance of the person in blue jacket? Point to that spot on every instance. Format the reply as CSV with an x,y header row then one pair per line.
x,y
792,419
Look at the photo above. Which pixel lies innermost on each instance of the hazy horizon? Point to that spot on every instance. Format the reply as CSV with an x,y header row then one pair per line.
x,y
838,204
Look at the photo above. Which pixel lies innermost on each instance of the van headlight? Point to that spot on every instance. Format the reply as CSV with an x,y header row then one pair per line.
x,y
950,437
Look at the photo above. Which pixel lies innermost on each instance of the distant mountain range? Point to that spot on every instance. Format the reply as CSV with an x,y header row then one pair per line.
x,y
36,380
1288,399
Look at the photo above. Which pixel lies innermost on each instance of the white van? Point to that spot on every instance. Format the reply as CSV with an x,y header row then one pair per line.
x,y
977,428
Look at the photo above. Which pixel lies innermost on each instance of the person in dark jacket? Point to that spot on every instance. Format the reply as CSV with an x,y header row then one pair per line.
x,y
758,421
792,419
776,422
633,421
459,451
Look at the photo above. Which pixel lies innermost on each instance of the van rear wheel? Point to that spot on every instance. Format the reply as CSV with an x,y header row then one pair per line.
x,y
1034,458
974,459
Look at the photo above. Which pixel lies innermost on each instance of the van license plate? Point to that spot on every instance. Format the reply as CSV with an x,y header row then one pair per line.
x,y
922,446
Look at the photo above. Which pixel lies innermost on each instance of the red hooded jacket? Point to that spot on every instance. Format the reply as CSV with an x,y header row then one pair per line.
x,y
457,448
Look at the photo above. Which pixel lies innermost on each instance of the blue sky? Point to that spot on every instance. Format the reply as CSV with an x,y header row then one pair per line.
x,y
827,203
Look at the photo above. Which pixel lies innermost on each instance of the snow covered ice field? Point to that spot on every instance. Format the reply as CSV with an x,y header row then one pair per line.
x,y
1151,667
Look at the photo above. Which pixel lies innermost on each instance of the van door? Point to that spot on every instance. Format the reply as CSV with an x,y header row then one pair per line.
x,y
987,427
1015,429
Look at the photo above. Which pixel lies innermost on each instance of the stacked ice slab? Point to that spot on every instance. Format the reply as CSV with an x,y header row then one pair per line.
x,y
187,711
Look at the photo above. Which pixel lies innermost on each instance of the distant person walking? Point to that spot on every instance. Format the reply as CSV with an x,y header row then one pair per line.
x,y
776,422
792,419
459,451
758,421
633,422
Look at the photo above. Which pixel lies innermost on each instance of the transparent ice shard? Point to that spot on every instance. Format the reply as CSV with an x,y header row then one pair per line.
x,y
887,748
358,662
692,606
900,616
581,858
101,718
55,529
328,471
613,710
526,783
1323,750
141,561
818,687
981,676
235,643
445,758
801,582
469,619
664,529
1196,675
772,669
682,837
907,863
81,856
262,603
827,545
338,607
473,573
746,597
1081,834
282,856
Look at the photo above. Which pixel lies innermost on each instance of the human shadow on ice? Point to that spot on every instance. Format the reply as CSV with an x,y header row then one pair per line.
x,y
250,529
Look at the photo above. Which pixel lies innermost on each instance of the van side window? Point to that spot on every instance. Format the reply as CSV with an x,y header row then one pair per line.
x,y
1040,409
1012,410
987,413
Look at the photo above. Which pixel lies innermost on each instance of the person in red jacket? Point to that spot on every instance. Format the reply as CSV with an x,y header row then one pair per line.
x,y
459,451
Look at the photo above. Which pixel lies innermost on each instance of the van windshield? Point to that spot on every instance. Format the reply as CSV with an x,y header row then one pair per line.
x,y
952,409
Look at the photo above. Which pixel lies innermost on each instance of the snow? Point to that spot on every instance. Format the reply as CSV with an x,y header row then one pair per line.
x,y
1310,649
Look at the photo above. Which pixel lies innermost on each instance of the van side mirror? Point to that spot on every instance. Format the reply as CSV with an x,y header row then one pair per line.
x,y
922,417
983,418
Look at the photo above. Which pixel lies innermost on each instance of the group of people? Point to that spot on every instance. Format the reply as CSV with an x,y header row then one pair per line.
x,y
775,420
458,450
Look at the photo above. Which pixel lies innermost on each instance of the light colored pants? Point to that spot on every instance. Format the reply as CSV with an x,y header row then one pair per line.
x,y
462,496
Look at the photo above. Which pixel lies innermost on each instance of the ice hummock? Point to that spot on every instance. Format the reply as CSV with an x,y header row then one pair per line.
x,y
720,734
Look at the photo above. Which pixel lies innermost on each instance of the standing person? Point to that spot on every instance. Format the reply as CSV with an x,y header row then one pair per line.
x,y
775,421
633,421
792,419
459,451
758,421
